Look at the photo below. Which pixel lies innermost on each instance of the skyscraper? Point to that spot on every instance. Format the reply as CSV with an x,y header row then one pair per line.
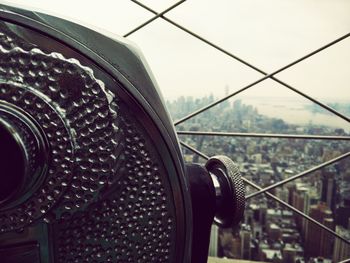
x,y
319,242
329,187
245,234
341,249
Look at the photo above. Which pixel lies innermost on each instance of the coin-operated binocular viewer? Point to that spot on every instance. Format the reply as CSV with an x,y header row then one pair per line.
x,y
90,165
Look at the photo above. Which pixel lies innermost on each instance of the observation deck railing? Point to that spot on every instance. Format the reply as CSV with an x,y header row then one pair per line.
x,y
265,76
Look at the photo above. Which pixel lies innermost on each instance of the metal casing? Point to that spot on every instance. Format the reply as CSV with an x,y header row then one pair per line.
x,y
124,72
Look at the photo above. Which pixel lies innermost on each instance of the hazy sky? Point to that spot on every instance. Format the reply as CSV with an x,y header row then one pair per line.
x,y
268,34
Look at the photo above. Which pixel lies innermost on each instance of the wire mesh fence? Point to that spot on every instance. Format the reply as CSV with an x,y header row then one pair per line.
x,y
265,75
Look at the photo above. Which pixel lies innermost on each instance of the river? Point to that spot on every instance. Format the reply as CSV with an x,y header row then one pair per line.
x,y
295,111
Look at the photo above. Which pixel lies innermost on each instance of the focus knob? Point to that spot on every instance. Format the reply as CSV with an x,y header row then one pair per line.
x,y
229,190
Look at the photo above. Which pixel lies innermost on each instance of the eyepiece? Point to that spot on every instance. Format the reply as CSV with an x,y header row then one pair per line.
x,y
13,161
22,155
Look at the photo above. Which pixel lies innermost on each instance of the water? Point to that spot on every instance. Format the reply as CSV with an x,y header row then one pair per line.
x,y
296,111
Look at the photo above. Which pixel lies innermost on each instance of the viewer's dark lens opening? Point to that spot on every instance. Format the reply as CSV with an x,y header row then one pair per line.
x,y
12,162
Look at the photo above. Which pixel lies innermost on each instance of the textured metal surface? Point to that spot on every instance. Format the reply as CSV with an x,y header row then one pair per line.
x,y
60,170
106,195
237,189
133,223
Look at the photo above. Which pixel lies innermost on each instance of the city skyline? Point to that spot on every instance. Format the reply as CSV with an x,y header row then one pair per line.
x,y
272,232
298,111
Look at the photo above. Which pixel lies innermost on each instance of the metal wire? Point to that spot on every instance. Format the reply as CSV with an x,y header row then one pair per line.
x,y
154,18
206,157
313,169
271,75
299,212
189,116
264,190
200,38
265,135
275,198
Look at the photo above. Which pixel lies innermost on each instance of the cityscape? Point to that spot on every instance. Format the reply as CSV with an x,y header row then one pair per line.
x,y
270,231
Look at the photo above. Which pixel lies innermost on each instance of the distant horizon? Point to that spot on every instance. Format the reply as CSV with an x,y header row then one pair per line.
x,y
242,96
294,110
267,34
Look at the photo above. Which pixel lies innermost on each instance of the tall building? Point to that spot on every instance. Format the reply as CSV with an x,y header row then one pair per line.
x,y
319,242
302,197
289,254
262,213
343,212
328,186
311,198
282,193
246,235
341,249
298,201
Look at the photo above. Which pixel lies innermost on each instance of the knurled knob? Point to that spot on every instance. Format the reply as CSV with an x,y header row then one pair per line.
x,y
229,188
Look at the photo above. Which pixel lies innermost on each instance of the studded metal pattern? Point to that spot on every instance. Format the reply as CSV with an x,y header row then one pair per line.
x,y
133,223
106,195
71,107
60,169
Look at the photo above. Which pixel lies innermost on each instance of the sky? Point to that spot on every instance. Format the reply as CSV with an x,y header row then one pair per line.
x,y
268,34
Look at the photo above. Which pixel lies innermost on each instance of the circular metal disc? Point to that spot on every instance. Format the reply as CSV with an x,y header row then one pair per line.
x,y
114,188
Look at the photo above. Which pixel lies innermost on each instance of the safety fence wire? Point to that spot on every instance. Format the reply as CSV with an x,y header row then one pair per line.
x,y
260,190
267,75
273,197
